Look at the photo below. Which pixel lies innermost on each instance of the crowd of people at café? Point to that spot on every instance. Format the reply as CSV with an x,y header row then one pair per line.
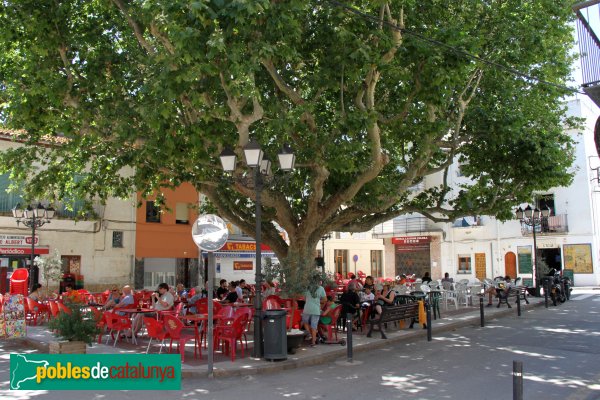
x,y
357,296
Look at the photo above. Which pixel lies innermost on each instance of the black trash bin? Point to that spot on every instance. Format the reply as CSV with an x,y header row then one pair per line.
x,y
275,335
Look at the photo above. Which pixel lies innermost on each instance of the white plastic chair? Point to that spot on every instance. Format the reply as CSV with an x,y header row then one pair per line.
x,y
462,294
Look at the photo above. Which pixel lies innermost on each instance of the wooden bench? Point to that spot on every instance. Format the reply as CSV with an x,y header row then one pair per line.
x,y
518,293
394,313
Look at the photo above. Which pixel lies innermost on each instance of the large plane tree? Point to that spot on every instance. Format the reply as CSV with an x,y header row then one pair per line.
x,y
373,96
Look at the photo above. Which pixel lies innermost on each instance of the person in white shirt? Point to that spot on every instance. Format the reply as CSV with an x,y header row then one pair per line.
x,y
162,300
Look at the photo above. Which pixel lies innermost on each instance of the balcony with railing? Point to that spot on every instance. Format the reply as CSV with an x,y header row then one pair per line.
x,y
404,225
553,225
588,30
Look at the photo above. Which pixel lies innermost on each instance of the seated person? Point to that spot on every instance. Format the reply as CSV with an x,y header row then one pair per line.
x,y
180,291
355,282
367,298
325,318
222,289
126,301
369,283
36,294
501,286
447,278
200,294
70,295
385,298
113,299
426,278
162,300
350,301
232,296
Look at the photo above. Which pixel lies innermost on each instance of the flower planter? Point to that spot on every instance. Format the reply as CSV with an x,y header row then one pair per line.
x,y
67,347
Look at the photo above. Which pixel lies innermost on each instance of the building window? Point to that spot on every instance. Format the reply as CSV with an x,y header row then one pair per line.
x,y
117,239
153,279
376,264
464,264
8,200
152,212
341,262
182,213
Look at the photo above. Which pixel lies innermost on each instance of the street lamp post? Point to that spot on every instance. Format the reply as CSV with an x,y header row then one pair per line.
x,y
323,239
533,218
33,218
262,168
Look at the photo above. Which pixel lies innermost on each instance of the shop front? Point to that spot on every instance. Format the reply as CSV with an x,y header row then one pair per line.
x,y
412,255
15,252
237,260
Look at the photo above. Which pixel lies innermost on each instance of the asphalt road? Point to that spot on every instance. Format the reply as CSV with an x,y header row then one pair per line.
x,y
558,347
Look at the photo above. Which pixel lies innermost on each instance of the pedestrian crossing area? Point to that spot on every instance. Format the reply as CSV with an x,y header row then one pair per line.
x,y
586,296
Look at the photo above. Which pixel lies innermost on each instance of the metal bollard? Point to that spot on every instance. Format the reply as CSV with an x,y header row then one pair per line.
x,y
349,317
517,380
481,312
519,304
428,313
546,294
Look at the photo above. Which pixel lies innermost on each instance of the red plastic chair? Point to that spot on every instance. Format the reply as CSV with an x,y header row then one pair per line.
x,y
231,334
175,312
176,330
332,326
63,308
100,322
53,306
33,310
249,312
272,303
118,323
295,321
19,282
156,330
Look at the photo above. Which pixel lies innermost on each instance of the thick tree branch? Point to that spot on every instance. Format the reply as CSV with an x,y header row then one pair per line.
x,y
137,30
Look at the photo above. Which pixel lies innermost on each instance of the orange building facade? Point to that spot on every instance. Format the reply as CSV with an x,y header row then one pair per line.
x,y
164,249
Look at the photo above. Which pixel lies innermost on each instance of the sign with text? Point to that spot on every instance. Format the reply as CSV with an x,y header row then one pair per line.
x,y
16,240
95,372
23,250
243,265
525,260
243,246
411,240
578,257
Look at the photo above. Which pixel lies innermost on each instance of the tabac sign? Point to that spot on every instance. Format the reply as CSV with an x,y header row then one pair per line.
x,y
243,246
16,240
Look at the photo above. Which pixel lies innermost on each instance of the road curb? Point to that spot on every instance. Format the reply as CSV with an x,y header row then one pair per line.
x,y
316,359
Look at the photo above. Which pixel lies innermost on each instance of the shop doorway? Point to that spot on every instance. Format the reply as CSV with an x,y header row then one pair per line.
x,y
552,258
413,262
510,265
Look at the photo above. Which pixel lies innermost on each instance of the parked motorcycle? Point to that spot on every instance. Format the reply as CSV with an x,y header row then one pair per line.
x,y
557,287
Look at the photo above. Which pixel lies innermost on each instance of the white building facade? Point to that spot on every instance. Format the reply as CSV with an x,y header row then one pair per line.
x,y
483,247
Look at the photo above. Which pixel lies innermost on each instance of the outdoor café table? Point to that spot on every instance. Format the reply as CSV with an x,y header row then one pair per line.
x,y
196,319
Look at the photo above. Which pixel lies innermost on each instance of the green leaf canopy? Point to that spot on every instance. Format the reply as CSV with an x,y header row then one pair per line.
x,y
375,97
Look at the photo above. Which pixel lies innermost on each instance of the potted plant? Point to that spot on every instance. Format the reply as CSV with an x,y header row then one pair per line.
x,y
50,268
75,330
295,277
